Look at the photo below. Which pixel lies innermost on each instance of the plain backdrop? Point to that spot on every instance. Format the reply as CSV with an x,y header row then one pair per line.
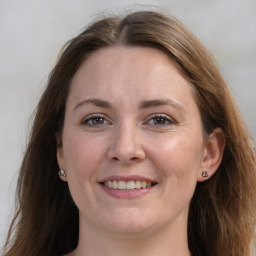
x,y
33,31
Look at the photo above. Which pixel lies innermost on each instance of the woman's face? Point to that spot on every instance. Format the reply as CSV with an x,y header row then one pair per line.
x,y
132,144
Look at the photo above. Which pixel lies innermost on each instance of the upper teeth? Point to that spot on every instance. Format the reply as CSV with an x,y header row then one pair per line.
x,y
131,184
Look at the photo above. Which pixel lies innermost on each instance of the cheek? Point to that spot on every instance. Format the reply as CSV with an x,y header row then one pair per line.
x,y
82,153
83,156
178,156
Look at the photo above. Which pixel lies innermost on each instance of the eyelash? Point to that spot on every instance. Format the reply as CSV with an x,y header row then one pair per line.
x,y
163,117
88,121
93,118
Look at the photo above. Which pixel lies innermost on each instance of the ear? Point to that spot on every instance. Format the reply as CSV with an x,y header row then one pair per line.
x,y
61,159
213,154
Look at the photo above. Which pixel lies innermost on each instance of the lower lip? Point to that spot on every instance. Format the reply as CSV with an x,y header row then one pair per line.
x,y
126,194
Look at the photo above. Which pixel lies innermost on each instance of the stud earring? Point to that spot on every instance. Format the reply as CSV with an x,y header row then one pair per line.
x,y
62,173
205,174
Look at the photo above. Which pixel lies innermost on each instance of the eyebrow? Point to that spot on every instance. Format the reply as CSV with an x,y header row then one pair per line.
x,y
161,102
97,102
143,105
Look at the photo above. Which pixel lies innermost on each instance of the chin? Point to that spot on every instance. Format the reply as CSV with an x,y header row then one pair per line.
x,y
129,222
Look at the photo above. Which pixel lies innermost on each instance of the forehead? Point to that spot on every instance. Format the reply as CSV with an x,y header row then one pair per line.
x,y
124,72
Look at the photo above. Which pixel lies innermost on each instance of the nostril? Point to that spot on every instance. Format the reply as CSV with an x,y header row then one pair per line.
x,y
132,159
126,155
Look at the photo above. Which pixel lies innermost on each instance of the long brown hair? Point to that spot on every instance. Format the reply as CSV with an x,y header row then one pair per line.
x,y
222,212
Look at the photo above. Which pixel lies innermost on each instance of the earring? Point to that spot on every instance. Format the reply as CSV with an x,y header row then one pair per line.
x,y
205,174
62,173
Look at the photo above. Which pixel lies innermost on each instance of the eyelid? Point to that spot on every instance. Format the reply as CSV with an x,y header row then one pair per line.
x,y
86,119
161,115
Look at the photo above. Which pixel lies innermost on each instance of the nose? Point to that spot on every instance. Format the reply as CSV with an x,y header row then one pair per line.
x,y
126,147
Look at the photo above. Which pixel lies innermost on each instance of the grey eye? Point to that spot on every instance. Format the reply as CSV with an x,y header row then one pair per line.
x,y
160,120
94,121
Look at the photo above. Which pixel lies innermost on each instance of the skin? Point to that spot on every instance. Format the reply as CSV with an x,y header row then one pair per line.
x,y
163,142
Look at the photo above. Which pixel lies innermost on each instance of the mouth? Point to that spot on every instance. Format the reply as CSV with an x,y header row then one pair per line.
x,y
128,185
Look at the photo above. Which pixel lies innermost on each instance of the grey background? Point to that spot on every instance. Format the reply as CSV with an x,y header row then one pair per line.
x,y
33,31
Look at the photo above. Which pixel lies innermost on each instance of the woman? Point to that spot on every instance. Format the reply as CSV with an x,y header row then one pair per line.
x,y
137,148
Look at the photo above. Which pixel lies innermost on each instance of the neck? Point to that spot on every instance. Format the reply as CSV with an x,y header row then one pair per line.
x,y
168,241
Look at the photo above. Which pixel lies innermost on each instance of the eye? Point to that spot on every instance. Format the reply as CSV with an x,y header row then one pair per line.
x,y
94,120
160,120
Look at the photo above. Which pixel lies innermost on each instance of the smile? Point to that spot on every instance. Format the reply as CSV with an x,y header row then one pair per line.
x,y
128,185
